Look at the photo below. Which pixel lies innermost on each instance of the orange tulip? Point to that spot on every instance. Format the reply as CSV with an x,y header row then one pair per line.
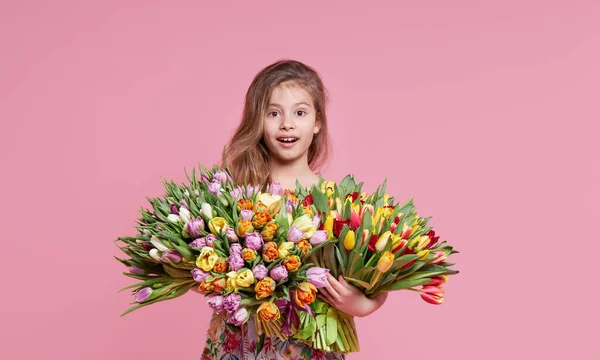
x,y
268,311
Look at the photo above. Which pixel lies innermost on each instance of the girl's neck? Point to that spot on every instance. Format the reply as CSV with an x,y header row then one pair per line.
x,y
287,174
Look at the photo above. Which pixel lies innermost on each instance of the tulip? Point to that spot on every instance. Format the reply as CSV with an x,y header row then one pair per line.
x,y
261,219
327,187
217,225
219,285
246,214
275,188
254,241
221,176
221,196
328,226
419,243
316,219
214,187
317,276
440,256
423,254
239,317
207,258
171,256
210,238
432,294
232,284
271,202
279,273
199,275
198,243
220,266
434,239
154,254
231,235
382,242
173,218
194,226
231,302
206,212
385,262
304,246
268,311
319,237
248,255
292,263
284,249
349,240
269,231
174,209
244,227
158,244
206,287
305,294
270,251
245,278
216,303
265,288
406,231
143,294
136,270
260,271
295,234
438,280
236,261
305,224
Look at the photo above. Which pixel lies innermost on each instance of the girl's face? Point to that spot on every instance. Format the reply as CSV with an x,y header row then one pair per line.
x,y
290,123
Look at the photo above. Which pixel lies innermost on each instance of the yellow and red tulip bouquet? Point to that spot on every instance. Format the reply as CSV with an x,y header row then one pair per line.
x,y
377,245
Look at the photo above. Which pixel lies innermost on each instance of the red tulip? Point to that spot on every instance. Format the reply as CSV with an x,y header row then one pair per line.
x,y
440,256
434,239
432,294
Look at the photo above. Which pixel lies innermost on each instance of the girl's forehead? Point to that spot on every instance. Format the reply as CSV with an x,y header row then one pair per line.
x,y
291,90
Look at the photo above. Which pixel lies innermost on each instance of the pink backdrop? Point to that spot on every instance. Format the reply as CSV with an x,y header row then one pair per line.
x,y
487,114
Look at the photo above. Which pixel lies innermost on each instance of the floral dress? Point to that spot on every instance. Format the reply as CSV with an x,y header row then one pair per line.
x,y
224,343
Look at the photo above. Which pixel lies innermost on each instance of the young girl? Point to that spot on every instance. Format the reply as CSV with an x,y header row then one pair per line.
x,y
282,138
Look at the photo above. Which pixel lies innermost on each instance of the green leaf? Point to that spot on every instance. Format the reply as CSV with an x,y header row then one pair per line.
x,y
320,199
310,327
332,323
364,284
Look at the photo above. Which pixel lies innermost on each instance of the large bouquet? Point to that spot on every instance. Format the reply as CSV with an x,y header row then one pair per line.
x,y
265,254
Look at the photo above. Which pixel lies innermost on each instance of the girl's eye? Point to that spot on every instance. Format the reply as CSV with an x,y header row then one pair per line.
x,y
273,113
301,111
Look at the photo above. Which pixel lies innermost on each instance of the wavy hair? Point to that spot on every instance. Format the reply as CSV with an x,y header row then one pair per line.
x,y
246,155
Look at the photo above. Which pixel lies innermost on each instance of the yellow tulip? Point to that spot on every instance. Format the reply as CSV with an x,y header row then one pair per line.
x,y
328,225
245,278
232,284
284,249
423,254
207,258
382,241
306,225
218,225
385,262
350,240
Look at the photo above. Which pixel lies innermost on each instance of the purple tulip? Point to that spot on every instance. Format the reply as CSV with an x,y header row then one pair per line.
x,y
174,209
288,206
235,248
198,243
199,275
197,192
239,317
209,240
143,294
319,236
317,276
216,303
231,302
260,271
246,214
184,203
171,256
279,273
136,270
214,187
236,193
316,221
236,261
275,188
231,235
204,178
146,245
220,176
194,226
159,228
294,234
254,241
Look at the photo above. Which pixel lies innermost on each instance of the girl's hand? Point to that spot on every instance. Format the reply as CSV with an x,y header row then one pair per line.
x,y
348,299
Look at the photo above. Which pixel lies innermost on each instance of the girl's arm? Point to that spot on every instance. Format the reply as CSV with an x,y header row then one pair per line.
x,y
347,298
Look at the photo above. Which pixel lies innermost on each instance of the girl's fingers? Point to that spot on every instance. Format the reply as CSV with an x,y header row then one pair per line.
x,y
339,288
331,292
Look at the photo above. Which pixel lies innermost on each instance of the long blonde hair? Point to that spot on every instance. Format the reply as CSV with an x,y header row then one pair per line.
x,y
246,154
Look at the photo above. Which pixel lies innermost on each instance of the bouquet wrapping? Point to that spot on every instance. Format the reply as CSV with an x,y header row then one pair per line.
x,y
264,254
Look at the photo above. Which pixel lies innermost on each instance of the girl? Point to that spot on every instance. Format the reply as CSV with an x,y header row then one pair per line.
x,y
283,137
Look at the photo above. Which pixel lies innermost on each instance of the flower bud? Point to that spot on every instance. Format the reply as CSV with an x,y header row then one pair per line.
x,y
432,294
268,311
279,273
143,294
349,240
292,263
254,241
260,271
305,294
317,276
265,288
382,242
440,256
385,262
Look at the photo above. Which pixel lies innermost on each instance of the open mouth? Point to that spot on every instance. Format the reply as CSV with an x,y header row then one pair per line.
x,y
287,140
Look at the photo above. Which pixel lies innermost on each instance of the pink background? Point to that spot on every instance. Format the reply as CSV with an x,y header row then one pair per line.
x,y
487,114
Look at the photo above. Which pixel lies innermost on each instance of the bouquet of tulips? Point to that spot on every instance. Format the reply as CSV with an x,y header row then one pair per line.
x,y
378,245
265,254
245,248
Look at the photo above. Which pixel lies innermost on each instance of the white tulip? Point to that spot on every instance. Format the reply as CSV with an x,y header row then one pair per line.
x,y
158,244
207,211
184,214
154,254
173,218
